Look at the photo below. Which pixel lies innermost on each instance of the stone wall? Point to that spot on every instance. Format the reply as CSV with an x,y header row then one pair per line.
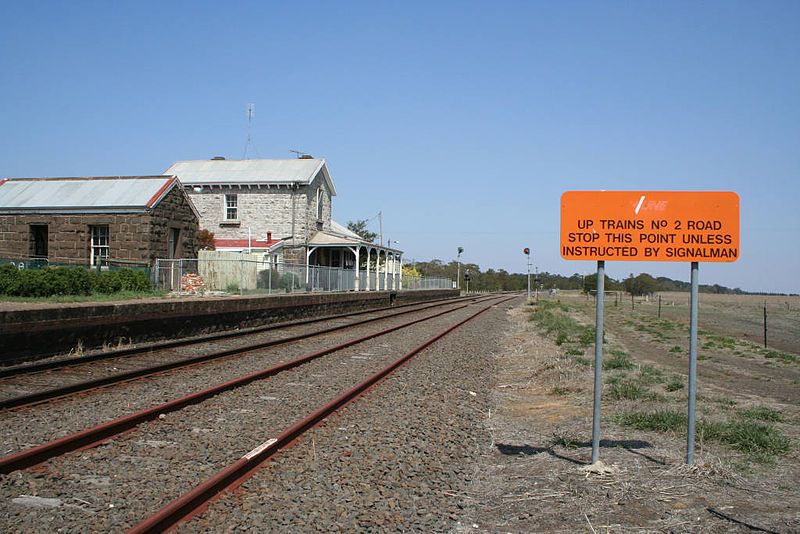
x,y
69,236
286,212
134,237
174,211
62,327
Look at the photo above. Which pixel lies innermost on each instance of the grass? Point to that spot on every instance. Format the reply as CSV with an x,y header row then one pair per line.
x,y
676,348
722,342
746,436
550,316
780,355
759,441
618,360
675,384
651,375
761,413
658,421
565,441
94,297
627,390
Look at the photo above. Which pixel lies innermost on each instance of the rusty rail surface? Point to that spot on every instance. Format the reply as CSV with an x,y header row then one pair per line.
x,y
99,433
194,501
79,387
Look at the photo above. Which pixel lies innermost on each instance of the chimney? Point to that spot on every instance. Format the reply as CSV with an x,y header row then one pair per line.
x,y
305,156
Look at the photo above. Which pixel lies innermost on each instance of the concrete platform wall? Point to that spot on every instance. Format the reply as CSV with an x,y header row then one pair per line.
x,y
36,332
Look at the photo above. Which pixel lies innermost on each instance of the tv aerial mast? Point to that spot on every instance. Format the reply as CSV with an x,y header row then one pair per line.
x,y
251,112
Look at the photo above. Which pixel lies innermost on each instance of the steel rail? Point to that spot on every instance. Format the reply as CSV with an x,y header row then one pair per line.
x,y
80,387
196,499
98,433
172,343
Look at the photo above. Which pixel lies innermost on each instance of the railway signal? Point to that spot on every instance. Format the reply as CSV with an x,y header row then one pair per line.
x,y
527,252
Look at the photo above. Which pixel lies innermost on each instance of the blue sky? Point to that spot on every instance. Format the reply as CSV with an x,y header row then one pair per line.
x,y
463,122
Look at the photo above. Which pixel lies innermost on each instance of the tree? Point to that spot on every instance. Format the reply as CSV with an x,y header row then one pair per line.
x,y
205,240
644,284
360,227
590,283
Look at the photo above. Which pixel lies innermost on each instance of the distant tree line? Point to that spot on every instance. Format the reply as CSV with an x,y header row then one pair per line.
x,y
502,280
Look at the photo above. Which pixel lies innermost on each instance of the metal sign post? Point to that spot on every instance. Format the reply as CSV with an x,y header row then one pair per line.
x,y
692,365
598,359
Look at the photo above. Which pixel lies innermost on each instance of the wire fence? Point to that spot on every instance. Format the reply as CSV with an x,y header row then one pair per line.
x,y
33,262
245,276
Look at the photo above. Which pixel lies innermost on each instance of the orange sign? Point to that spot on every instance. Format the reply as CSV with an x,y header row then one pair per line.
x,y
650,226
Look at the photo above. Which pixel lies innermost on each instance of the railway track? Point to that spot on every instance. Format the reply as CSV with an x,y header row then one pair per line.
x,y
32,384
349,357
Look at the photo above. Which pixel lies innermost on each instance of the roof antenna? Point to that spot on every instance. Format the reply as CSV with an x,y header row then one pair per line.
x,y
300,154
251,112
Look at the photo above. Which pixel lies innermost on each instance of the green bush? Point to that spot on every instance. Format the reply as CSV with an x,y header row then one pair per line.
x,y
9,279
52,281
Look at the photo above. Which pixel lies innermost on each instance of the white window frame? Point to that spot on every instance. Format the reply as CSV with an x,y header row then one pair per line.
x,y
100,243
226,206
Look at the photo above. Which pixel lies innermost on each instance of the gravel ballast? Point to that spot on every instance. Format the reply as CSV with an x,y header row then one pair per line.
x,y
417,438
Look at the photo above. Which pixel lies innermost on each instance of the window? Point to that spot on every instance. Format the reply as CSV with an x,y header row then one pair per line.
x,y
231,208
100,246
39,241
173,241
320,203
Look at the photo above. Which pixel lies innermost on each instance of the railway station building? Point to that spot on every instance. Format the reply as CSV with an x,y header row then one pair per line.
x,y
96,221
281,209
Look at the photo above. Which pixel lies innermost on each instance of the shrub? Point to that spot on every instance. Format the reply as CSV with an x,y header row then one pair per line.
x,y
52,281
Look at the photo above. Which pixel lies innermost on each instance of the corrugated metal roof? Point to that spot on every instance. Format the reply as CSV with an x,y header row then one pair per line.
x,y
344,231
250,171
83,195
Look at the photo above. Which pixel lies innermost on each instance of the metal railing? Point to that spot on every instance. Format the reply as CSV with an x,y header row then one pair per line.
x,y
246,275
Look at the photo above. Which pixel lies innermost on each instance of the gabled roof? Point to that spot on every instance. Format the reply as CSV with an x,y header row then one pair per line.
x,y
98,194
251,172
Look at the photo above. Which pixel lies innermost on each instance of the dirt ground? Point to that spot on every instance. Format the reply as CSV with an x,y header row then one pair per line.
x,y
536,474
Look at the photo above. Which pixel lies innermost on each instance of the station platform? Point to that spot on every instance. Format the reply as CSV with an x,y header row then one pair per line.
x,y
31,331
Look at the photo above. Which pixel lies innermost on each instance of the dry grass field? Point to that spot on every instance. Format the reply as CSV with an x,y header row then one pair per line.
x,y
537,477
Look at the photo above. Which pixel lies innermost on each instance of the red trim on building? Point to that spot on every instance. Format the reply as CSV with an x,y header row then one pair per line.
x,y
244,243
4,180
161,191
